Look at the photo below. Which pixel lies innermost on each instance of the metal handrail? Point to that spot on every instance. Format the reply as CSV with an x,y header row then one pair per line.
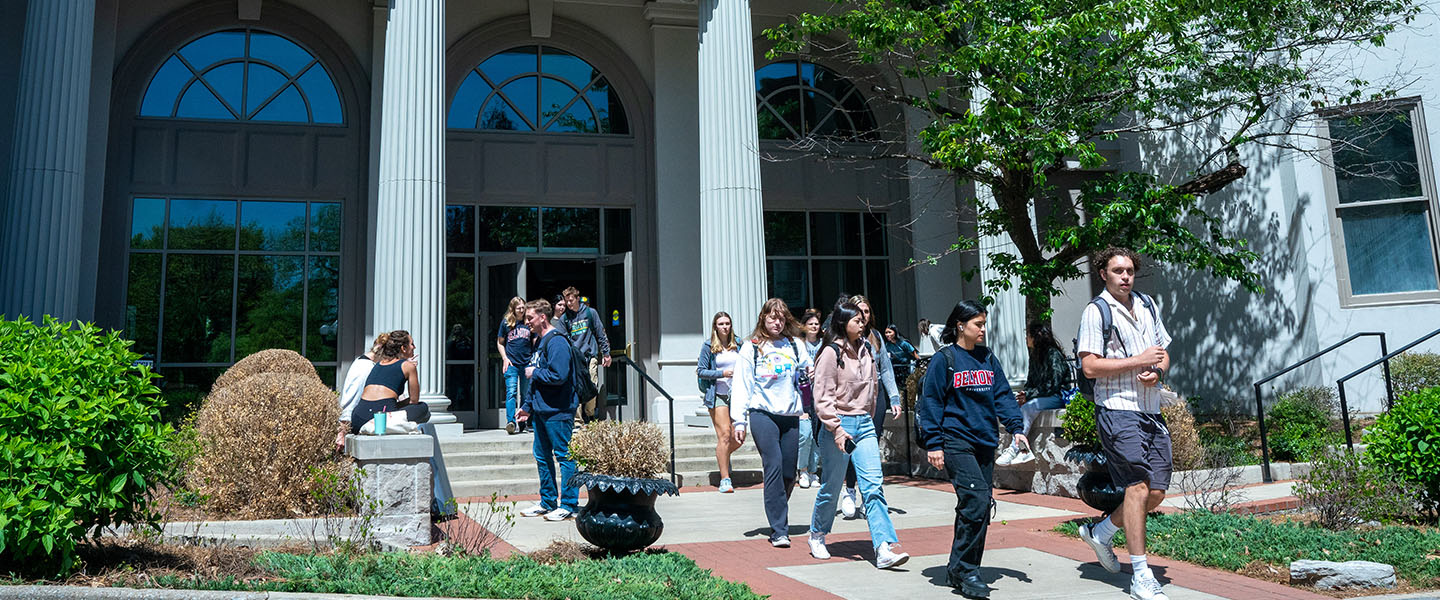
x,y
1389,388
1260,406
674,478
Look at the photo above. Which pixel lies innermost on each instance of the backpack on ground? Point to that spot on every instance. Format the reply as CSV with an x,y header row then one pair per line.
x,y
1107,329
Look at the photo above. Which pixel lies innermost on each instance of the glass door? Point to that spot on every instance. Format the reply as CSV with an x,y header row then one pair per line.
x,y
617,309
501,277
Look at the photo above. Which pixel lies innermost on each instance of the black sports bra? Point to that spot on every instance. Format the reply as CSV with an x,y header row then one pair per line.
x,y
391,376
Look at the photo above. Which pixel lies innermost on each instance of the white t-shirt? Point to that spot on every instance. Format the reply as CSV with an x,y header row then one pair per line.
x,y
1133,334
929,342
765,380
725,361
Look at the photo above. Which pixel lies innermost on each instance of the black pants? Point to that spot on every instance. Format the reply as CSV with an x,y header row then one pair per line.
x,y
970,468
777,439
882,411
364,412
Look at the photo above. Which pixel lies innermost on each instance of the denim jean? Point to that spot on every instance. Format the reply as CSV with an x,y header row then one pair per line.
x,y
866,459
809,456
552,443
1032,407
516,385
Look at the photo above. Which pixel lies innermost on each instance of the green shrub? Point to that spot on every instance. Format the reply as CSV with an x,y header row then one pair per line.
x,y
1300,423
1345,490
1078,424
1406,440
81,440
1227,449
1414,371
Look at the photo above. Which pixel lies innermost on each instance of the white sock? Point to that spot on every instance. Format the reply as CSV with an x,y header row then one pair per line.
x,y
1104,530
1139,565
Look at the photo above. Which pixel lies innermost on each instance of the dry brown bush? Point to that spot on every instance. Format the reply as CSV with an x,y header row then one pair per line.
x,y
265,442
565,552
632,449
265,361
1185,447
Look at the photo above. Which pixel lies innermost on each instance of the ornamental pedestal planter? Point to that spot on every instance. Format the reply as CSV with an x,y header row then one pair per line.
x,y
620,513
1095,487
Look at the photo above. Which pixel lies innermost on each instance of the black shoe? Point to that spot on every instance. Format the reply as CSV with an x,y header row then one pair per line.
x,y
971,586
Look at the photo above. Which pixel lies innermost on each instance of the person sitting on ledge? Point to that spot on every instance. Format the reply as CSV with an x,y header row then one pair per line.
x,y
394,367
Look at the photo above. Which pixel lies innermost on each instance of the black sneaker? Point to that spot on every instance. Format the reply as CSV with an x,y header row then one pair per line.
x,y
971,586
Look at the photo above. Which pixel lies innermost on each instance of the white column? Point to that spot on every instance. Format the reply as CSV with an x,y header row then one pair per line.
x,y
43,214
408,286
732,226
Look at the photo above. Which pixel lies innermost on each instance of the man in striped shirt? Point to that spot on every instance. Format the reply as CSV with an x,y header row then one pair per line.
x,y
1128,365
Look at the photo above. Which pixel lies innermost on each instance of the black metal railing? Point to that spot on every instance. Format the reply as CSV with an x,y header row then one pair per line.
x,y
674,478
1260,406
1389,387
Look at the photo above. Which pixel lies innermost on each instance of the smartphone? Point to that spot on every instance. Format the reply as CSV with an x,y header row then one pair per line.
x,y
850,446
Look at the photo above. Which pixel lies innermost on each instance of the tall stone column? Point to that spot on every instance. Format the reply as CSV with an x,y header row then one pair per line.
x,y
43,213
732,225
408,286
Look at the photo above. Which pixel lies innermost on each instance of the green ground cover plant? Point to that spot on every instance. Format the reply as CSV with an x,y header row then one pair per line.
x,y
658,575
1229,541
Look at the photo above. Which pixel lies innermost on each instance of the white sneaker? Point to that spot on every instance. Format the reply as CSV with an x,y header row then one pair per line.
x,y
1023,457
847,502
817,546
1103,552
890,556
781,542
803,480
1144,587
1008,456
559,514
535,510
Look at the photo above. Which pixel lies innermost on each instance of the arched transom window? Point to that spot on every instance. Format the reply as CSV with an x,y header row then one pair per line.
x,y
537,88
243,75
796,99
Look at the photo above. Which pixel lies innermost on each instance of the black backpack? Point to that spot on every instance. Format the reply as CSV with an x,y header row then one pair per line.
x,y
1107,329
580,375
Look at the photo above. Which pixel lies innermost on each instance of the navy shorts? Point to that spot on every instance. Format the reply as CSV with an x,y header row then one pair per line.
x,y
1136,446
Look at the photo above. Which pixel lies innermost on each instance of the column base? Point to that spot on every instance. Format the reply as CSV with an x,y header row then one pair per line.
x,y
448,430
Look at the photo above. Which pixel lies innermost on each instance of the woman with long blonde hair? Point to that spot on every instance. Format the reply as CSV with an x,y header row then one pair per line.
x,y
513,341
715,368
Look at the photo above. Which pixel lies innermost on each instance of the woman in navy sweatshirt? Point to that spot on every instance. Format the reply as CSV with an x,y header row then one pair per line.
x,y
964,391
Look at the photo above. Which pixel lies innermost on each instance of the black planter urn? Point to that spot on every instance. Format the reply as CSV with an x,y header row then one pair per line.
x,y
1095,487
619,514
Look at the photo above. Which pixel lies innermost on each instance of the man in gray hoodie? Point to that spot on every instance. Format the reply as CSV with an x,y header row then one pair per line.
x,y
582,325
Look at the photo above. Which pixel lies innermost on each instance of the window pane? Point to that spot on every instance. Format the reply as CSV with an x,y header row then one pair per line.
x,y
465,107
875,235
785,120
460,387
202,224
836,278
147,223
164,88
877,289
818,117
784,233
263,83
774,76
280,51
323,321
272,226
227,81
607,108
198,290
214,48
320,91
268,306
288,107
1389,248
571,230
142,303
460,309
789,280
510,63
327,374
617,230
578,119
325,226
567,66
835,234
523,96
498,115
185,388
199,103
1375,157
508,229
460,229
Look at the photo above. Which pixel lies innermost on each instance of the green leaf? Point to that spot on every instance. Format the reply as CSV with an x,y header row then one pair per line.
x,y
117,484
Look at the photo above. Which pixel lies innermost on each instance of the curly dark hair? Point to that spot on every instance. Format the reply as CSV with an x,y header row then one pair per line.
x,y
1102,259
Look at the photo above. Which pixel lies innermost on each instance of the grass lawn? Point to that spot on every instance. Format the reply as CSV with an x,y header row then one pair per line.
x,y
1233,542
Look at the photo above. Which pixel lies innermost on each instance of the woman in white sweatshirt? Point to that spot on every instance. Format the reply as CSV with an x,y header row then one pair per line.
x,y
765,399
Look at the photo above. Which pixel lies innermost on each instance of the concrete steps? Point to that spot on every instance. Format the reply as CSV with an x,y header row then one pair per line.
x,y
483,463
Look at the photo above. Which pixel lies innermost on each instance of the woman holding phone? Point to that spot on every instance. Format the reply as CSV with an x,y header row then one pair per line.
x,y
846,380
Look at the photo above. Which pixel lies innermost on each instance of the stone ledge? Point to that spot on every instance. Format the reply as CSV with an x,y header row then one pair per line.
x,y
389,447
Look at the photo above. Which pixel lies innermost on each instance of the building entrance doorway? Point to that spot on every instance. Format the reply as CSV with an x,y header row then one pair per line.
x,y
604,281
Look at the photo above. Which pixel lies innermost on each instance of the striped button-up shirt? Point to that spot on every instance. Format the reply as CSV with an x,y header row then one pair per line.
x,y
1134,332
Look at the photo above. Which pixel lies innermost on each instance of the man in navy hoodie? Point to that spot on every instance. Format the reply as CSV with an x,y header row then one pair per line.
x,y
551,403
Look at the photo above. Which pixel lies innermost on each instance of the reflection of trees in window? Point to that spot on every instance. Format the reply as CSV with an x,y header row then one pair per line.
x,y
798,99
537,88
814,257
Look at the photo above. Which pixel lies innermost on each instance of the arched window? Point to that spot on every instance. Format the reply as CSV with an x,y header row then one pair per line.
x,y
537,88
243,75
797,99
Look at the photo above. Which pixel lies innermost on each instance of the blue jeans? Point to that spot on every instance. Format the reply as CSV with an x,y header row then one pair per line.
x,y
1032,407
516,384
552,440
809,451
866,459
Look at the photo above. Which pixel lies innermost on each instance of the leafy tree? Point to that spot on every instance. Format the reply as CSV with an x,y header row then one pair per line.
x,y
1018,93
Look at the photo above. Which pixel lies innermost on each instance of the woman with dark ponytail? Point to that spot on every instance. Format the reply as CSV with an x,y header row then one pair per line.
x,y
964,391
392,372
